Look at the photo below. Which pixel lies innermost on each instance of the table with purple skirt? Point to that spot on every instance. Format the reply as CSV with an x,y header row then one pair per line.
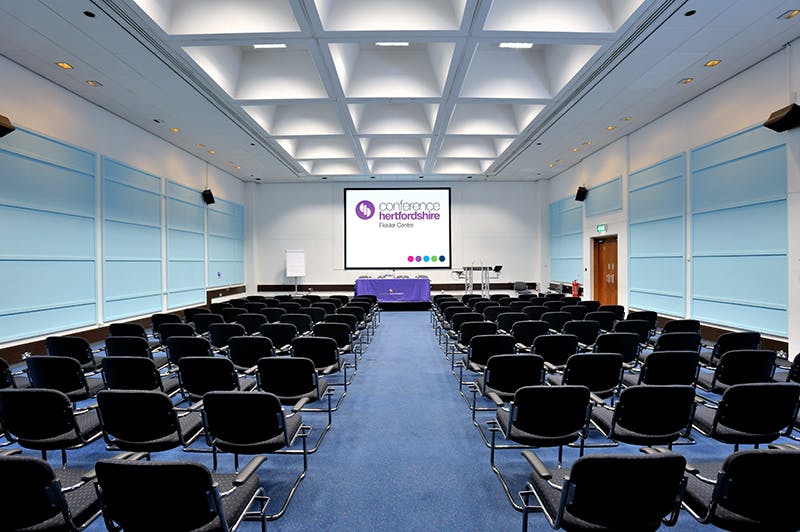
x,y
395,290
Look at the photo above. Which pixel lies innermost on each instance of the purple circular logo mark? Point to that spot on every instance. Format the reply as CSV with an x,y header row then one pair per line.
x,y
365,209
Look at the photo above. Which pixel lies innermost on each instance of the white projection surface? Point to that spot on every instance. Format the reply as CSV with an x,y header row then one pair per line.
x,y
396,228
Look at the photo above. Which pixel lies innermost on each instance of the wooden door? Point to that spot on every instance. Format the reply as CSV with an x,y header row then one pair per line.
x,y
605,276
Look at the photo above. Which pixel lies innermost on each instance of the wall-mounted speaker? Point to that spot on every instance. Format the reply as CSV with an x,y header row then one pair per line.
x,y
5,126
784,119
580,195
208,197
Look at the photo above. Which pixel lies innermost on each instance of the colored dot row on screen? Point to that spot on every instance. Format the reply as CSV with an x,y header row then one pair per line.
x,y
426,258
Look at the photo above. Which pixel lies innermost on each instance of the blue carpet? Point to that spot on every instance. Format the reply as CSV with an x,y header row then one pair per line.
x,y
402,453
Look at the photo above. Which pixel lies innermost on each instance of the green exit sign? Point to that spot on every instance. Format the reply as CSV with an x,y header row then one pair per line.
x,y
601,228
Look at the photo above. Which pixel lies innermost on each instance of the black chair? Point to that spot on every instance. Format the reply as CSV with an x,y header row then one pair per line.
x,y
733,495
255,298
199,375
187,346
290,306
729,342
313,298
453,327
506,320
273,314
556,320
591,304
480,306
73,347
608,492
10,379
525,333
587,332
640,327
317,315
527,423
254,306
327,305
45,421
665,368
132,329
739,367
497,297
63,374
600,372
190,313
617,310
750,413
284,298
254,423
578,312
554,305
199,501
34,496
343,298
246,351
304,302
571,300
301,321
481,348
136,373
160,318
515,306
604,318
203,321
146,421
352,322
553,296
647,415
626,344
270,301
324,353
692,326
220,333
466,332
251,321
675,341
216,308
491,313
168,330
281,336
341,333
555,349
506,301
650,316
133,346
534,312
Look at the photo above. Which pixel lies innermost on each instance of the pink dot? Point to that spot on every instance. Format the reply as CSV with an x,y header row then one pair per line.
x,y
410,258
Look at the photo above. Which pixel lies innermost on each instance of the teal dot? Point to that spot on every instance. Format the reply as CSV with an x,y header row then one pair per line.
x,y
426,258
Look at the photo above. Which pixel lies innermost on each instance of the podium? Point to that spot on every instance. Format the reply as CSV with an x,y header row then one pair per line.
x,y
468,274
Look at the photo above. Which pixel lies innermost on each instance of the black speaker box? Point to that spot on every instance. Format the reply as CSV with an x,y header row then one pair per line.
x,y
784,119
5,126
580,195
208,197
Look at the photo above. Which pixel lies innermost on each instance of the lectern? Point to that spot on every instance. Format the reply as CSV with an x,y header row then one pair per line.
x,y
467,273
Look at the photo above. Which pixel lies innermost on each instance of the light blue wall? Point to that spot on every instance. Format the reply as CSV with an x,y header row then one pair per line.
x,y
604,198
131,241
657,238
225,243
739,232
185,246
47,236
566,241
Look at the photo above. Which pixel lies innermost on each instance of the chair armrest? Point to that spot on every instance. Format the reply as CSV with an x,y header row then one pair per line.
x,y
10,452
596,399
537,465
328,370
550,367
474,367
248,470
300,404
251,371
496,398
784,446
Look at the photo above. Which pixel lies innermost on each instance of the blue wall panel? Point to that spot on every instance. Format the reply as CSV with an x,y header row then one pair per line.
x,y
47,236
186,245
604,198
657,238
225,243
566,240
131,241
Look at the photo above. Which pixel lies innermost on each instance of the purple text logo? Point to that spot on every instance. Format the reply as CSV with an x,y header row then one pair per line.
x,y
365,209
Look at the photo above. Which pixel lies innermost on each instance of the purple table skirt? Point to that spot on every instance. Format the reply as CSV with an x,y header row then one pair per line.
x,y
395,289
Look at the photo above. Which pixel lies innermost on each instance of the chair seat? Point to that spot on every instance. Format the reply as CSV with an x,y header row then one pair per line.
x,y
630,378
312,396
704,420
602,418
527,438
247,383
94,384
88,425
486,390
275,443
706,381
82,502
705,358
698,496
190,424
160,360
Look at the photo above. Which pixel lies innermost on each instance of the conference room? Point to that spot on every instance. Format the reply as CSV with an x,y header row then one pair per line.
x,y
403,199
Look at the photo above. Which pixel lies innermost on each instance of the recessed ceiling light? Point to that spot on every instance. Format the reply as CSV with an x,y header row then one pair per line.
x,y
576,149
64,65
238,167
611,128
391,43
627,118
685,81
587,143
789,15
212,151
713,63
175,130
228,162
516,45
551,165
269,46
93,83
198,145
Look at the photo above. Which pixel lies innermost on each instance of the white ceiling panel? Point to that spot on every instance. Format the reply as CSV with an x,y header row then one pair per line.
x,y
215,17
390,15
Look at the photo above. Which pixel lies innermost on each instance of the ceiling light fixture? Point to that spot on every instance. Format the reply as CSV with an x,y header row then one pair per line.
x,y
587,142
93,83
64,65
229,162
576,149
269,46
611,128
627,118
713,63
685,81
551,165
789,15
238,167
175,130
516,45
198,145
392,43
212,151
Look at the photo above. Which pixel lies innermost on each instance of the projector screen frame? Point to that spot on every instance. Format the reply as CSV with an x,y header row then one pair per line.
x,y
402,189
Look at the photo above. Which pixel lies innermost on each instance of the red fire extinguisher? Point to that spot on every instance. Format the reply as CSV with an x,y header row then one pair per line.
x,y
574,288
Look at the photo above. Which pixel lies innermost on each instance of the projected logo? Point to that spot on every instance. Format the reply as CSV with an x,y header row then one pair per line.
x,y
365,209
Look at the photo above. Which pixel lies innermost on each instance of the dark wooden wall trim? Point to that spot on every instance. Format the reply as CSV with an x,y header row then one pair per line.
x,y
213,293
349,287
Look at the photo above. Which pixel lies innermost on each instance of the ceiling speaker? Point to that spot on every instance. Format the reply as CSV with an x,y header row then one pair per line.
x,y
5,126
580,195
784,119
208,197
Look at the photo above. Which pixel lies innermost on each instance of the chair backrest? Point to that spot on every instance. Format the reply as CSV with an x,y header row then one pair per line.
x,y
556,319
130,373
343,298
670,367
480,306
506,373
735,341
204,374
216,308
280,334
316,314
571,300
304,302
168,330
6,377
160,318
600,372
187,346
578,312
601,487
327,305
463,317
555,348
56,373
497,297
139,420
537,301
126,493
591,304
289,378
617,310
70,346
203,321
534,312
301,321
219,333
190,313
553,296
313,298
126,329
626,344
650,316
476,300
558,414
526,331
348,319
245,351
692,326
36,413
127,346
491,313
466,298
586,330
354,310
604,318
653,415
517,306
449,311
290,306
640,327
255,306
745,365
229,314
554,305
484,346
678,341
506,320
251,321
741,490
283,298
759,411
229,422
322,351
340,332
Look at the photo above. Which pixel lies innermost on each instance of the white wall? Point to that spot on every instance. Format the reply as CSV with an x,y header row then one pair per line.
x,y
496,223
741,102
